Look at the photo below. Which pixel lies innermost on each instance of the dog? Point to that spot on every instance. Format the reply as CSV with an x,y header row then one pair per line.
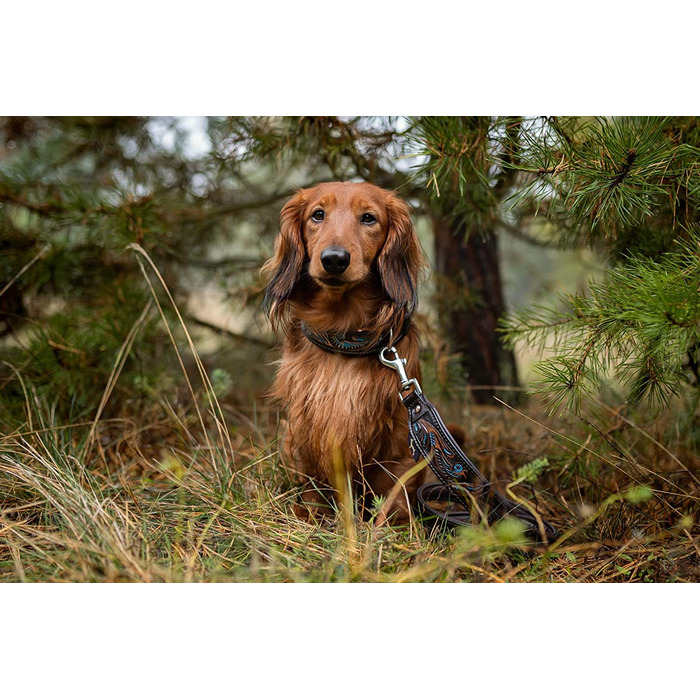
x,y
344,273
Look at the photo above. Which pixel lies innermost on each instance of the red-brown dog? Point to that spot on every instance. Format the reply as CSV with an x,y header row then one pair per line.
x,y
346,261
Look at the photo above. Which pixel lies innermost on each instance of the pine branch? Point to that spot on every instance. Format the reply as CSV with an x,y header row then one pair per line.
x,y
643,320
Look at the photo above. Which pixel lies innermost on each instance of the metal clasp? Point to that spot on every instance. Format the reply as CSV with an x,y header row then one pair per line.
x,y
398,364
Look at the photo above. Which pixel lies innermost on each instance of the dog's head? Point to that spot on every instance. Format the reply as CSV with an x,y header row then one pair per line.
x,y
336,236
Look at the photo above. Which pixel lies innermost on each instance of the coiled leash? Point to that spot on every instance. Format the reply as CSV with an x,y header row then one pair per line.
x,y
460,481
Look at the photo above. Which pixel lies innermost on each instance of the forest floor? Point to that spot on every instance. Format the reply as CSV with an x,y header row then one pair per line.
x,y
185,490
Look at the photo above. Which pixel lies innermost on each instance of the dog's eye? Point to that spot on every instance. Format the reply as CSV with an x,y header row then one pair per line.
x,y
318,215
368,218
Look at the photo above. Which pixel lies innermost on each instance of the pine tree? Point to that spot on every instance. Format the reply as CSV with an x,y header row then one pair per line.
x,y
465,189
630,188
75,194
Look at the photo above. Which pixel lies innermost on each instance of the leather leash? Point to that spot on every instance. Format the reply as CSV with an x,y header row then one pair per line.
x,y
460,481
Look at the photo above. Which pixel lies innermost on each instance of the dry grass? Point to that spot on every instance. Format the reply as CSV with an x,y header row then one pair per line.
x,y
149,501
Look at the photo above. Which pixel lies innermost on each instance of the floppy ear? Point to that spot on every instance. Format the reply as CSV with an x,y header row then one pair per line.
x,y
401,259
285,266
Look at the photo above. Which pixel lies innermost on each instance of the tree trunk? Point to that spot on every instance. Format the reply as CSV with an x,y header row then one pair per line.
x,y
470,304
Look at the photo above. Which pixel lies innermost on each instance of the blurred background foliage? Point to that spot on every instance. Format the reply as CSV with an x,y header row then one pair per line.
x,y
517,214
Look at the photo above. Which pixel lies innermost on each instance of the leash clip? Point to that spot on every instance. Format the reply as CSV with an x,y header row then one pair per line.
x,y
398,364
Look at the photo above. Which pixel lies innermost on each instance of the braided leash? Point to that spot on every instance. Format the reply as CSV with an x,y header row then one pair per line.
x,y
460,481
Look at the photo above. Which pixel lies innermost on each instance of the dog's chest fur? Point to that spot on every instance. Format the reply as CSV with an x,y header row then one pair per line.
x,y
340,407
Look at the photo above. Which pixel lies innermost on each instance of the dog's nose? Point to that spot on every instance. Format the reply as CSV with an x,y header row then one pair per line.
x,y
335,259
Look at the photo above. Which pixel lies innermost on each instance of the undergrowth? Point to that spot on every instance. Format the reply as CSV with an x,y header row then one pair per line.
x,y
142,501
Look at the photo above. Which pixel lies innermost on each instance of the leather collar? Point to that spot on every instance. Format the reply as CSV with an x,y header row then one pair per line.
x,y
355,343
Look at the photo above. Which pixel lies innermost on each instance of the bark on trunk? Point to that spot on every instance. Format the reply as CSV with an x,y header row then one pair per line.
x,y
470,304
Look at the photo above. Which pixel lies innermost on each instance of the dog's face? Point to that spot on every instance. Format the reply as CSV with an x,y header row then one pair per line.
x,y
340,235
344,227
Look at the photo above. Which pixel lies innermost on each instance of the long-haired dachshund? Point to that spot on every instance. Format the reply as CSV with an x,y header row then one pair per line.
x,y
342,282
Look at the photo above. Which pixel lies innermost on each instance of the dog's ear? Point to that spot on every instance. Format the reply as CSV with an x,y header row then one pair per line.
x,y
285,267
401,258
